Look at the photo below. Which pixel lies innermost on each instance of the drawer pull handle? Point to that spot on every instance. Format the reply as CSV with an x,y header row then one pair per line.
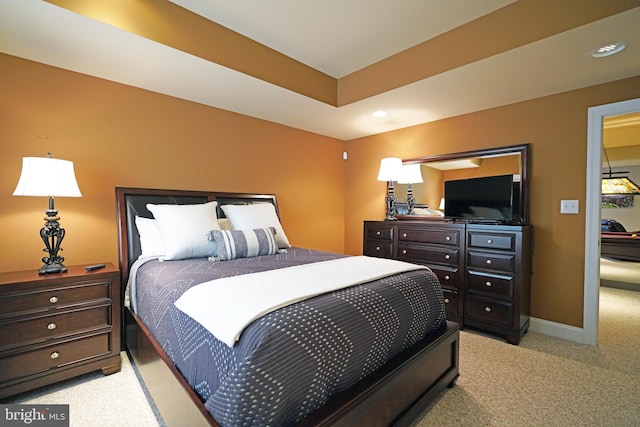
x,y
404,234
404,252
377,248
446,300
487,309
446,277
489,262
377,233
447,238
55,355
51,326
488,284
489,241
447,256
53,300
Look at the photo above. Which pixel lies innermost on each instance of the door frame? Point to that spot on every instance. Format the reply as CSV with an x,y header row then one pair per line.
x,y
596,117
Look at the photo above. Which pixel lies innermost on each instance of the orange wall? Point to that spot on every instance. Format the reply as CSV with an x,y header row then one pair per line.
x,y
556,128
117,135
122,136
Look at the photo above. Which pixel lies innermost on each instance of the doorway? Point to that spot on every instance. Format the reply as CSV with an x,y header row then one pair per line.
x,y
596,117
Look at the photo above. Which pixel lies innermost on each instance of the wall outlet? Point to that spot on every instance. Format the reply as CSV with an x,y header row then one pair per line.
x,y
569,206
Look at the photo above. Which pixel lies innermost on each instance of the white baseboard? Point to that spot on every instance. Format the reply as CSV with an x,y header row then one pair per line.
x,y
558,330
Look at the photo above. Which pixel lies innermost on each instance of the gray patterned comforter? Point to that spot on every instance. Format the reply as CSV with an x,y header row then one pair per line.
x,y
289,362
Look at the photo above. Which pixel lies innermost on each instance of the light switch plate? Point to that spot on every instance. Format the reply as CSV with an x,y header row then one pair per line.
x,y
569,206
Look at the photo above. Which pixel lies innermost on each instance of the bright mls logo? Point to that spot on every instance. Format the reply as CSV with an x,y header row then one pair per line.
x,y
34,415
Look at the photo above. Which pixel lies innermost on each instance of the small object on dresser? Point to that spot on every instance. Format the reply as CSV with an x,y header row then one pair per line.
x,y
94,267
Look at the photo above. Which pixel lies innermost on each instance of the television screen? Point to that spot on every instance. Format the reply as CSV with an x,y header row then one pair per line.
x,y
487,198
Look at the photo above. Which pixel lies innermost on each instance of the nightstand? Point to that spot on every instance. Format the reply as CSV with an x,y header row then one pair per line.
x,y
57,326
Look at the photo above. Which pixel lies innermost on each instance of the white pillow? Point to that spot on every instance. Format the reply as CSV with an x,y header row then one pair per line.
x,y
184,229
151,243
256,215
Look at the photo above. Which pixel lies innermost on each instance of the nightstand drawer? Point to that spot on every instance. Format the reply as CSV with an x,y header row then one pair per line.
x,y
428,254
56,355
501,286
488,310
501,241
36,329
52,298
491,261
435,236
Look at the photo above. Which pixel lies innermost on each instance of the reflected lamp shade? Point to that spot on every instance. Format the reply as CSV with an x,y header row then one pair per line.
x,y
47,177
410,174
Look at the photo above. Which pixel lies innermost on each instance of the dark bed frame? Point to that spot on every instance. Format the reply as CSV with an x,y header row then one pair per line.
x,y
396,394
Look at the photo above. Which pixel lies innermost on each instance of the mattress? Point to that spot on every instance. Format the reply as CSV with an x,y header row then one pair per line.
x,y
289,362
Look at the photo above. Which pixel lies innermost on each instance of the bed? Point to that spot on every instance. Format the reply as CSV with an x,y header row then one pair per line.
x,y
185,367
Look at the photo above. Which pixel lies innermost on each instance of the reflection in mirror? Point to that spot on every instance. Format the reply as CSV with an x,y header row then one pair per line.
x,y
512,160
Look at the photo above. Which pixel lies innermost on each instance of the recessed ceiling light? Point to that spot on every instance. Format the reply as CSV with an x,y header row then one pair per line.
x,y
379,113
608,50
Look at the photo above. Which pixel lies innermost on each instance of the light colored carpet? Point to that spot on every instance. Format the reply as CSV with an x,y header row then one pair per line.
x,y
620,274
95,400
542,382
547,381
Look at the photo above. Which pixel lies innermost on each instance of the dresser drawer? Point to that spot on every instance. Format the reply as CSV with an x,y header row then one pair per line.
x,y
491,261
448,277
378,248
429,235
428,254
378,232
40,328
488,310
51,298
501,286
500,241
55,355
450,302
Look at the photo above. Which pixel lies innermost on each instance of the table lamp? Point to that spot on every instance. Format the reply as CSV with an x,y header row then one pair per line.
x,y
410,175
390,169
48,177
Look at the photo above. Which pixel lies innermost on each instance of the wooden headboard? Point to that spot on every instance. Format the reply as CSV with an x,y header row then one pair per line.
x,y
132,202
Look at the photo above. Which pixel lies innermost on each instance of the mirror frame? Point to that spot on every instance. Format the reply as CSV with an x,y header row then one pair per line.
x,y
521,149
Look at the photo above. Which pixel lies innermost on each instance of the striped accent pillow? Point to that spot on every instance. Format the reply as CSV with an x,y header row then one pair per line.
x,y
232,244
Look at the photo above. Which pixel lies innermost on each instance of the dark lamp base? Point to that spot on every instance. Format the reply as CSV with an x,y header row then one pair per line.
x,y
52,268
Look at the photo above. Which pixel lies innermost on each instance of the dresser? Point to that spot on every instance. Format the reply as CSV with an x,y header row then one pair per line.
x,y
57,326
484,270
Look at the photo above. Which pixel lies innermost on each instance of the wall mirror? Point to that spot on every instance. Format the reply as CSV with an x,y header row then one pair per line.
x,y
435,170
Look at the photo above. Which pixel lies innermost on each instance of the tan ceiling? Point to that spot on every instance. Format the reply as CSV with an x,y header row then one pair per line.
x,y
420,60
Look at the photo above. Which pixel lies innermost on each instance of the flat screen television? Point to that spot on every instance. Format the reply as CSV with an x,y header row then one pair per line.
x,y
491,199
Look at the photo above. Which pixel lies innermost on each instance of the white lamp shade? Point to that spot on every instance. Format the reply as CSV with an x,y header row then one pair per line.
x,y
44,176
410,174
390,169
